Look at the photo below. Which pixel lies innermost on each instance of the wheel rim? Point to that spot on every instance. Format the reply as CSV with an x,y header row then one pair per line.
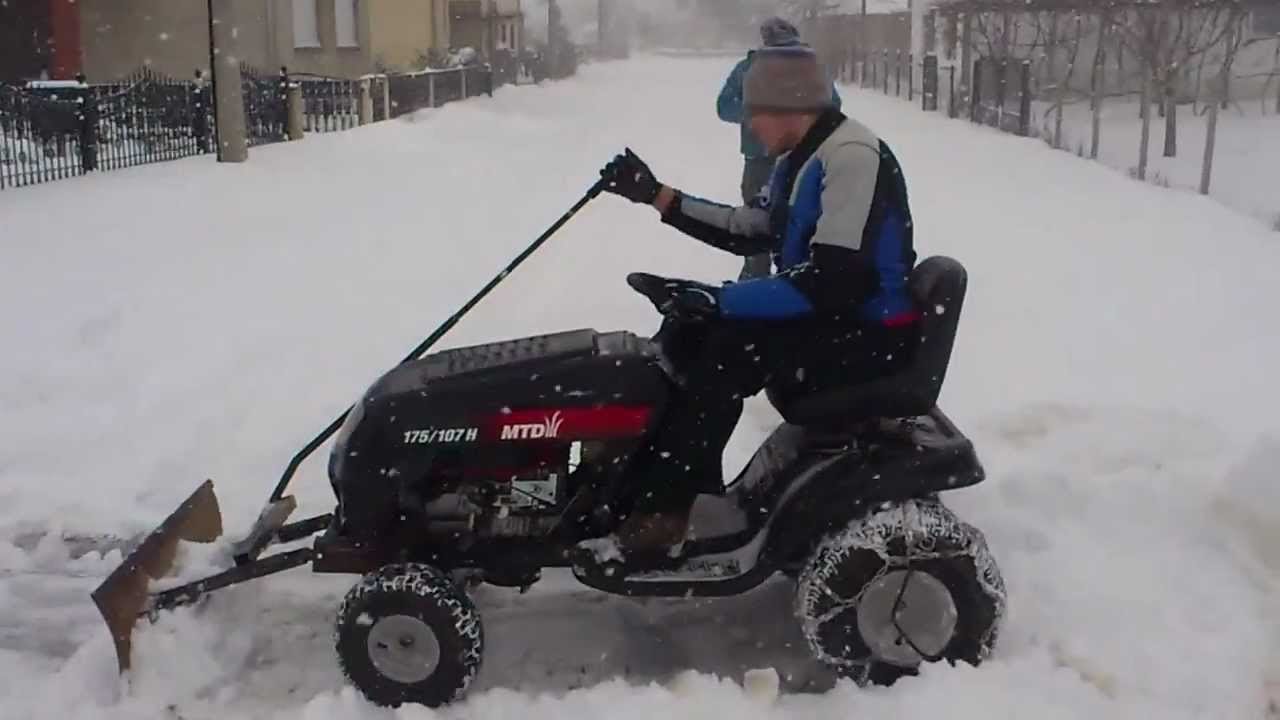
x,y
404,649
906,617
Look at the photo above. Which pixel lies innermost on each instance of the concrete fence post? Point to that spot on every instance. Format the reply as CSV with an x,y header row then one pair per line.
x,y
296,112
228,101
366,102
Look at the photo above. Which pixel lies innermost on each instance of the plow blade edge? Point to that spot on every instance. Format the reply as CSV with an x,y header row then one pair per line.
x,y
125,594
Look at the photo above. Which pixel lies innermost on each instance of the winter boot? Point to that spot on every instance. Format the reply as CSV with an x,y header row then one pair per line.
x,y
657,531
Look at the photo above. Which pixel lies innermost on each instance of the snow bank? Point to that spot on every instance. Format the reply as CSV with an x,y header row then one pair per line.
x,y
1114,365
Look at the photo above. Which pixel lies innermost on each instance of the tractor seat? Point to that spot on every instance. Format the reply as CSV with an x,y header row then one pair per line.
x,y
937,285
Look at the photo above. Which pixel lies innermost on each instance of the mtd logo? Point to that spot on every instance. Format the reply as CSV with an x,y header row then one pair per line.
x,y
548,428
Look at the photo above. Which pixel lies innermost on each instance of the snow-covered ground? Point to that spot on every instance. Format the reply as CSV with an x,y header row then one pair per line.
x,y
1246,162
187,320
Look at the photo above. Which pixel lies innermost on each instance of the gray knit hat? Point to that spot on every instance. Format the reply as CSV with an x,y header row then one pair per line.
x,y
786,79
776,32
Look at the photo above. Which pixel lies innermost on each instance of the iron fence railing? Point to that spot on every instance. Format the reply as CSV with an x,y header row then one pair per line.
x,y
266,105
331,104
55,130
433,88
51,130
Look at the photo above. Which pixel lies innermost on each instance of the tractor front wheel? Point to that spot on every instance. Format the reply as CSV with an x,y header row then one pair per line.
x,y
407,634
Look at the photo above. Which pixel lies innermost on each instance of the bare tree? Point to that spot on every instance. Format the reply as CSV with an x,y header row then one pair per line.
x,y
1275,73
996,33
1166,36
1144,145
1231,46
1072,37
1098,82
1043,50
984,35
801,10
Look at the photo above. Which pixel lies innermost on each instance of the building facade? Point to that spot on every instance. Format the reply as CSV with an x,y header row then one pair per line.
x,y
108,39
487,26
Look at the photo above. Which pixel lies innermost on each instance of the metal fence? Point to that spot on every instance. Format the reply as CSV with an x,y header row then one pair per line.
x,y
150,118
889,72
525,68
381,94
433,88
40,136
50,131
331,104
61,129
1000,94
266,105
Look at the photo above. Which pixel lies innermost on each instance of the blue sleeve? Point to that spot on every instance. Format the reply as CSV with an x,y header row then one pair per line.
x,y
729,104
772,297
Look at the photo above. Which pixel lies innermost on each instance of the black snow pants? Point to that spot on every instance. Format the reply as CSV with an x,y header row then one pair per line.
x,y
723,362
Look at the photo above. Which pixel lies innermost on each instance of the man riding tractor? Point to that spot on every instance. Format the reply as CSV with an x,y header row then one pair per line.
x,y
836,221
757,161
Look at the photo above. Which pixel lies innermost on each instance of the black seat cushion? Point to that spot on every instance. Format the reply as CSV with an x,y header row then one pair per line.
x,y
937,285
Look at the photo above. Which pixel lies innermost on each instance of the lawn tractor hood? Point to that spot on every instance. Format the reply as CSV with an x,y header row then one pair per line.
x,y
487,407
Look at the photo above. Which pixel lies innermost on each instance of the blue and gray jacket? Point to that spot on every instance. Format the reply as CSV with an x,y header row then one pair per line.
x,y
836,219
730,109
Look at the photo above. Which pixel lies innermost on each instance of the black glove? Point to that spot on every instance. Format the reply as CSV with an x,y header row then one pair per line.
x,y
628,176
692,303
681,300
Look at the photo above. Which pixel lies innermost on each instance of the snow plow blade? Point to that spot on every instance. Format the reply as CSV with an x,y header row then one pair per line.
x,y
124,595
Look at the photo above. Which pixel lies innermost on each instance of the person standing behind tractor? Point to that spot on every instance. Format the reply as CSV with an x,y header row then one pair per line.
x,y
757,163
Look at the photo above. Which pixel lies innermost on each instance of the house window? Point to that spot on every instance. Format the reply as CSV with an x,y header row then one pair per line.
x,y
1266,21
344,14
306,28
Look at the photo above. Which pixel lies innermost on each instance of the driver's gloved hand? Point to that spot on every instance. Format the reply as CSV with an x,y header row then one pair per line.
x,y
692,303
628,176
680,300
